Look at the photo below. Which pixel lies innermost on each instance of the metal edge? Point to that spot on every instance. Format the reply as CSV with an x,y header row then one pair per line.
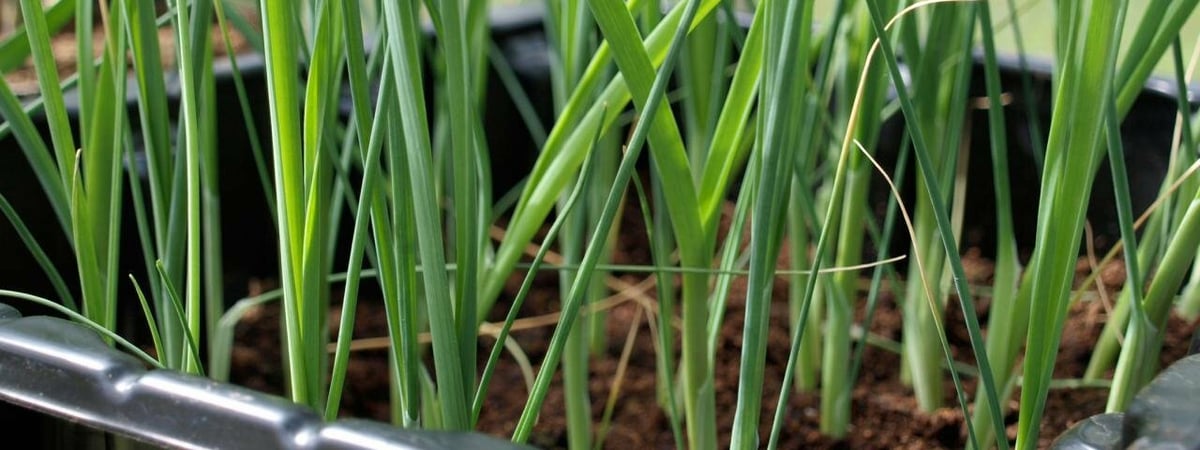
x,y
64,369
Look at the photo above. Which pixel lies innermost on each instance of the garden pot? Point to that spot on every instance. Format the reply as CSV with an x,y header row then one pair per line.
x,y
1147,136
639,423
249,247
249,243
66,370
1165,414
248,236
245,220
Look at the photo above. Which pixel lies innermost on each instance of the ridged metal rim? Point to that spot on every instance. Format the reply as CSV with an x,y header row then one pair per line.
x,y
64,369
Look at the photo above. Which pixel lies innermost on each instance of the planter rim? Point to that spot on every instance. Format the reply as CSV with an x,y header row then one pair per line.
x,y
64,369
519,18
507,20
1043,67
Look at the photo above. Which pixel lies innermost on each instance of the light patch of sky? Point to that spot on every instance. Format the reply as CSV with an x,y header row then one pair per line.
x,y
1037,23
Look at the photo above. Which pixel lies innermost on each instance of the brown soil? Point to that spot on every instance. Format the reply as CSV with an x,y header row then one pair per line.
x,y
23,81
884,410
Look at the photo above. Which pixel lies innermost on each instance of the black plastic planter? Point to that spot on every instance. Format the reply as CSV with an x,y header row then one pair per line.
x,y
1164,415
1146,132
61,369
64,369
248,236
64,387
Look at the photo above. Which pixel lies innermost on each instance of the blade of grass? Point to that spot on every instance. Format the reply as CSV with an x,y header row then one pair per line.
x,y
1071,154
1008,318
1188,304
99,329
469,232
212,268
401,18
192,151
85,257
801,223
1162,220
786,49
84,26
150,322
577,397
278,20
841,289
941,76
665,354
563,150
617,16
527,285
404,357
317,160
155,133
882,245
108,139
405,313
358,244
191,344
948,242
353,275
726,151
606,167
671,165
1139,338
47,74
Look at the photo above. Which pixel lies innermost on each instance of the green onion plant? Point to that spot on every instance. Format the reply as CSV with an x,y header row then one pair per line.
x,y
764,116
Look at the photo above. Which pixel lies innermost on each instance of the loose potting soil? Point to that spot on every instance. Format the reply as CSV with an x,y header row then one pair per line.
x,y
884,411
